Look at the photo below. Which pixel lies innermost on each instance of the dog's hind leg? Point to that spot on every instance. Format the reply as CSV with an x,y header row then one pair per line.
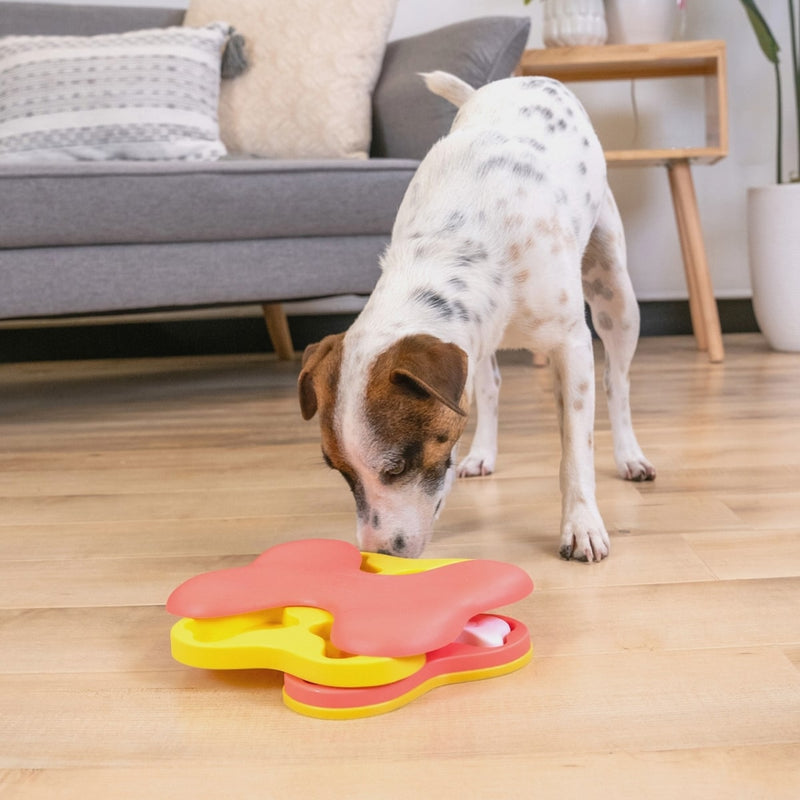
x,y
615,315
483,451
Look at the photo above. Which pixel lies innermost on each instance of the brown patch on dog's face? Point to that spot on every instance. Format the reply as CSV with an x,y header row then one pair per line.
x,y
413,408
403,441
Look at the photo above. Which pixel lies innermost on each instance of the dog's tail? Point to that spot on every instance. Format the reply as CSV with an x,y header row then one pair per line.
x,y
448,86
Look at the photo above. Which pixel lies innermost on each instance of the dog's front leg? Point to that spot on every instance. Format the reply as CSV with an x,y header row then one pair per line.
x,y
583,534
483,451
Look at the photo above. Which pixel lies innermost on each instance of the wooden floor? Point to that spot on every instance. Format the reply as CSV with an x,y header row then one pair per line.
x,y
672,669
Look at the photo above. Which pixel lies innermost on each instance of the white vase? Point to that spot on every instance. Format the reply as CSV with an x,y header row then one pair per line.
x,y
568,23
641,21
773,216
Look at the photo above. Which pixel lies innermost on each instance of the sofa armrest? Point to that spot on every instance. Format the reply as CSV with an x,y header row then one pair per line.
x,y
407,118
55,19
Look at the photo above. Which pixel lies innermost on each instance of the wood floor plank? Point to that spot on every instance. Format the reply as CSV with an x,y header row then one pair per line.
x,y
754,773
774,510
681,616
751,553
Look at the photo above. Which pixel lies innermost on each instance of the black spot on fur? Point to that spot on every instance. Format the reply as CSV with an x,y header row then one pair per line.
x,y
461,311
519,169
435,301
494,163
470,254
531,142
455,222
527,171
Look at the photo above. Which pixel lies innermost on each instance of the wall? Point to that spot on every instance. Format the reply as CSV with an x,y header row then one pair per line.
x,y
669,112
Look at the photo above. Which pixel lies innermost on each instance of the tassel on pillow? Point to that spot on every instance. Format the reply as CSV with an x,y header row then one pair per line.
x,y
234,60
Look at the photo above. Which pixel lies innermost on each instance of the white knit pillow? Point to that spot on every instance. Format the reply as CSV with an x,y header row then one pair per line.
x,y
313,66
149,94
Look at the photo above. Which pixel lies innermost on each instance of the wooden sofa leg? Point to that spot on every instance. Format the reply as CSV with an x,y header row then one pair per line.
x,y
278,329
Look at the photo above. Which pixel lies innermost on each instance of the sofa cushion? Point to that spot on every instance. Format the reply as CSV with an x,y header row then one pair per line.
x,y
146,94
408,119
57,19
313,66
136,202
46,281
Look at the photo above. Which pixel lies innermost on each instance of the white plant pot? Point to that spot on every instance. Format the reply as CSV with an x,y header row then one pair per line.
x,y
773,216
569,23
641,21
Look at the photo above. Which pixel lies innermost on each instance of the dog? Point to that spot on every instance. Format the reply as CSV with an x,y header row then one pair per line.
x,y
506,228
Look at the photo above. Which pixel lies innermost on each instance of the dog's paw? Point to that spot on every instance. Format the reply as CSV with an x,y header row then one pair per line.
x,y
476,465
638,469
584,542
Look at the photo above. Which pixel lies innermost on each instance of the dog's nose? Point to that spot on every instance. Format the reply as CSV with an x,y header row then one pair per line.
x,y
397,546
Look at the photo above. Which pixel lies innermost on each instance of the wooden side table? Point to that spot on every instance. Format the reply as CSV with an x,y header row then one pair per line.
x,y
664,60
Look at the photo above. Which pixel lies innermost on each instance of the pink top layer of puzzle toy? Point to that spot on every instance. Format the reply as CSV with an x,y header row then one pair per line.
x,y
374,614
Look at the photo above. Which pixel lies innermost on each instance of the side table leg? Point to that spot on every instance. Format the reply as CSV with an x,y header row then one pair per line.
x,y
703,306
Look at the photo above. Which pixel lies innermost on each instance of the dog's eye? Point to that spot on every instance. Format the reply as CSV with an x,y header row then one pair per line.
x,y
395,470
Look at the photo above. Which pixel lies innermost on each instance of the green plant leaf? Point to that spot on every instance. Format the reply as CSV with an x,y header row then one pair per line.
x,y
766,39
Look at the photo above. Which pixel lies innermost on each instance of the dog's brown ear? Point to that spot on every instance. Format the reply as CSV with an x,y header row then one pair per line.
x,y
433,367
315,357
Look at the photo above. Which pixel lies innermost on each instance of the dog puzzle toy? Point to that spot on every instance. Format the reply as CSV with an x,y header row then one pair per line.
x,y
355,634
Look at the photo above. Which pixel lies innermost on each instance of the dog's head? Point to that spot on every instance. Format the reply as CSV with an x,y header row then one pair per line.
x,y
391,430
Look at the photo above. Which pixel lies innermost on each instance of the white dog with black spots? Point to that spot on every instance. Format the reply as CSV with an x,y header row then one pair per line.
x,y
506,229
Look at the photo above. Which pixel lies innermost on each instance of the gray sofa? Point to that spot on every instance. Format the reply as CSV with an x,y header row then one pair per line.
x,y
113,236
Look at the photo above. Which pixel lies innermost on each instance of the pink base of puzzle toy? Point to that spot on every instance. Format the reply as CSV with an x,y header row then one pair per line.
x,y
455,663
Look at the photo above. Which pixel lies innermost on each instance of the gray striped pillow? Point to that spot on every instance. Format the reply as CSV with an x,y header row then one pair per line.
x,y
149,94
